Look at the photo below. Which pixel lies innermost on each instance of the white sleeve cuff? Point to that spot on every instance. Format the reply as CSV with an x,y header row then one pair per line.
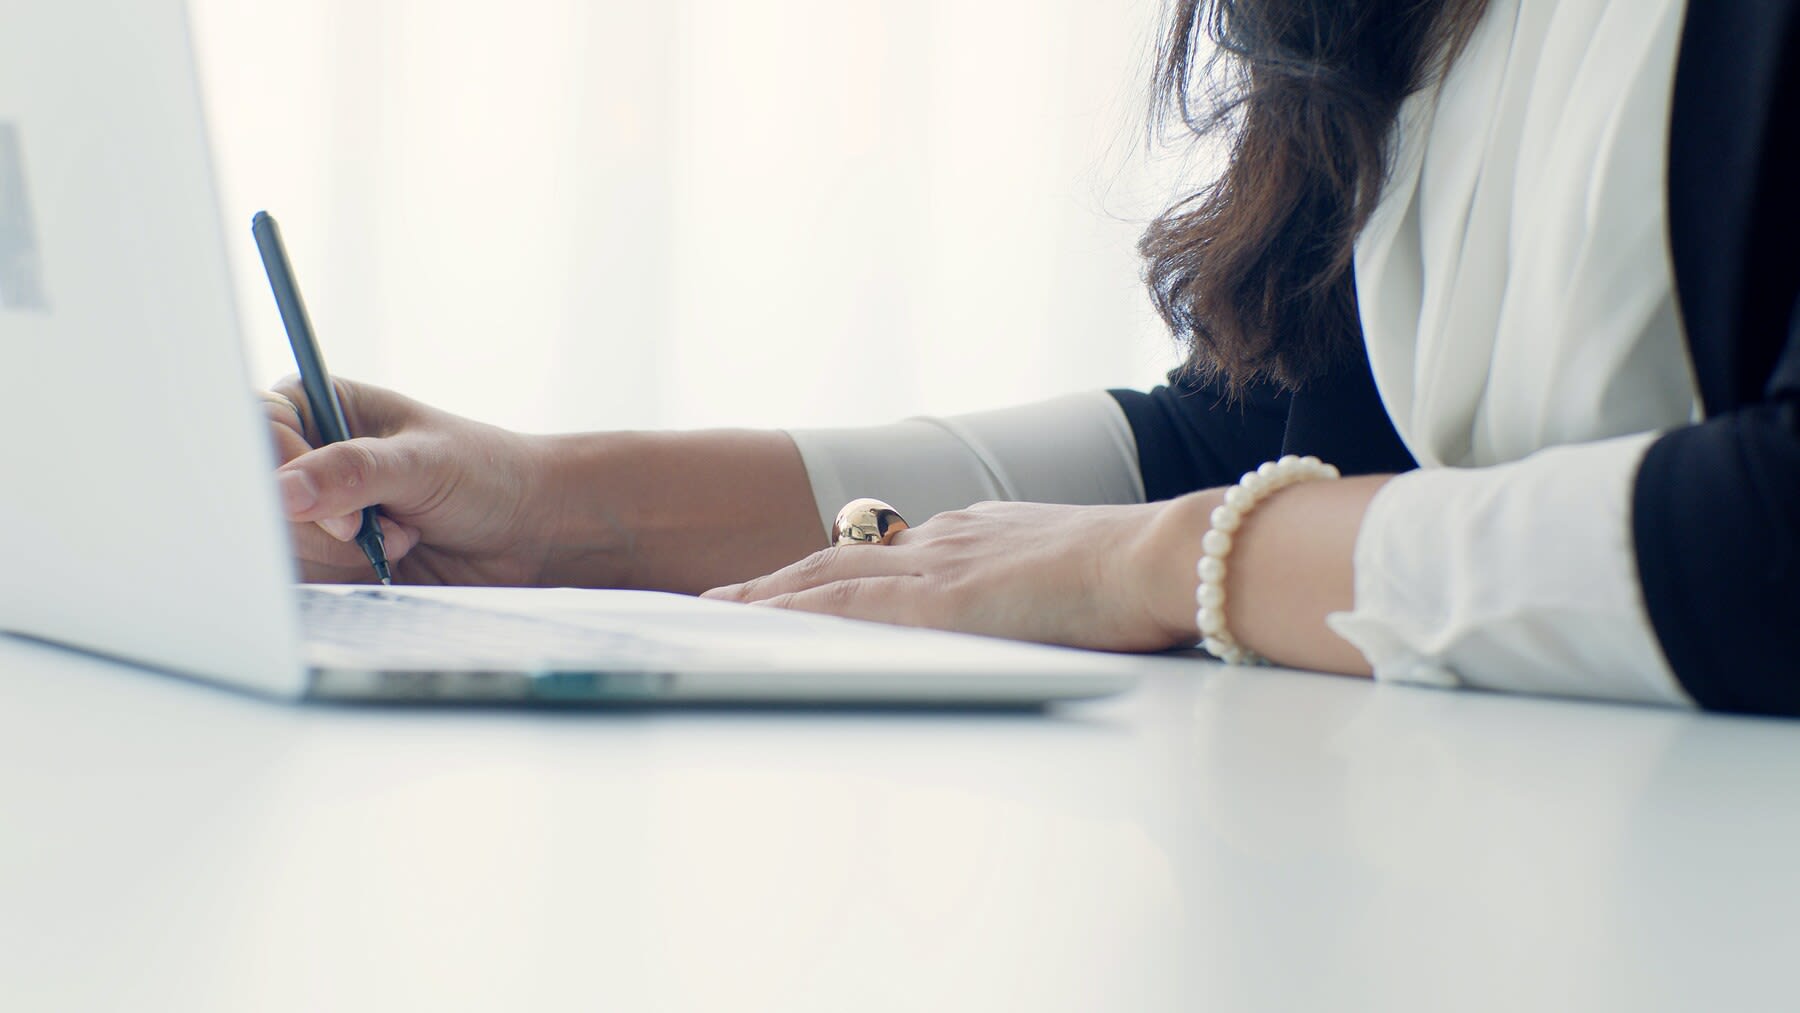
x,y
1076,449
1519,578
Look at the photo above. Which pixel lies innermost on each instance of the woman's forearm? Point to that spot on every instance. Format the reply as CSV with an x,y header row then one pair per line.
x,y
674,511
692,511
1290,567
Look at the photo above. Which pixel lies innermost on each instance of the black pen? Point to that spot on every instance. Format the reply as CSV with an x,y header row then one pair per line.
x,y
321,396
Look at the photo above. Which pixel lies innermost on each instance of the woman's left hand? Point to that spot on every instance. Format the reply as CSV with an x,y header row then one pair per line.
x,y
1084,576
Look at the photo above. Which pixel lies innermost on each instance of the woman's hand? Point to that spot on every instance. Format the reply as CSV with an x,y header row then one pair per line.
x,y
461,500
467,503
1107,577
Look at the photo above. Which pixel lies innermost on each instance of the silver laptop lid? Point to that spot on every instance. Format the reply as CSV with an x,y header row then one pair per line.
x,y
138,515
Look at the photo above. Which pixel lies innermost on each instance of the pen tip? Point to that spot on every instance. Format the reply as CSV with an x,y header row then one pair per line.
x,y
387,581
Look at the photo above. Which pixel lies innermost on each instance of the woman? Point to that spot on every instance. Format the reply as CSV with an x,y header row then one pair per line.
x,y
1539,248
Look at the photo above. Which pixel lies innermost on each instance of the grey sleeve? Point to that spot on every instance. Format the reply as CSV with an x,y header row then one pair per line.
x,y
1075,449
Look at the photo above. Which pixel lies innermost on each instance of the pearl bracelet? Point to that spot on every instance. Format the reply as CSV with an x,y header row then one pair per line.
x,y
1240,499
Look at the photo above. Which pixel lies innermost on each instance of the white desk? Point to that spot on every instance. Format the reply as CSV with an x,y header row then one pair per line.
x,y
1217,840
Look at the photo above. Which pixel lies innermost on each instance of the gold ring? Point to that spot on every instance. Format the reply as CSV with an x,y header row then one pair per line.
x,y
867,522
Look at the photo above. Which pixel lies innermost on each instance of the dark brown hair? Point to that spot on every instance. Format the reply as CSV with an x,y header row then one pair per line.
x,y
1253,273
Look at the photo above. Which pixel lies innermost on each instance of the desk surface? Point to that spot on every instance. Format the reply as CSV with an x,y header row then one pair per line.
x,y
1217,840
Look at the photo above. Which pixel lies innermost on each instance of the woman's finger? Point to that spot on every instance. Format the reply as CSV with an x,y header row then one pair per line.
x,y
289,444
295,494
826,566
368,410
902,600
345,477
321,553
284,413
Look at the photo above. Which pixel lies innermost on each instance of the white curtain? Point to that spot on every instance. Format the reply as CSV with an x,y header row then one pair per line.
x,y
582,214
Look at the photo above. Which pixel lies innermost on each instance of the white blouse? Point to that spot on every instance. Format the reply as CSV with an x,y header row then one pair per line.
x,y
1517,302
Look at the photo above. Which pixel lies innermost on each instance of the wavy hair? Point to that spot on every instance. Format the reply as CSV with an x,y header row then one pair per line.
x,y
1253,272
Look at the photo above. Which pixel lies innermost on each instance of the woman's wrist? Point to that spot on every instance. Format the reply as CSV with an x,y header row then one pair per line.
x,y
580,534
1290,568
1161,564
672,511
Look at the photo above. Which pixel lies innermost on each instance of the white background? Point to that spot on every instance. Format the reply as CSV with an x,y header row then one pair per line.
x,y
582,214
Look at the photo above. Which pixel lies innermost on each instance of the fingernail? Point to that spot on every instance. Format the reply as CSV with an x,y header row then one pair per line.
x,y
721,592
298,494
342,528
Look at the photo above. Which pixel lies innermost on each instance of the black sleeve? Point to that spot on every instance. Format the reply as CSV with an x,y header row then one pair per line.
x,y
1716,506
1716,526
1189,437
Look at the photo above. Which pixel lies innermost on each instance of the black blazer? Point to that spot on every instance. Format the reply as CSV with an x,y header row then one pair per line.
x,y
1716,506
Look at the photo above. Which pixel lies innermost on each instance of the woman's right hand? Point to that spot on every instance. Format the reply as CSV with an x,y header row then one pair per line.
x,y
462,502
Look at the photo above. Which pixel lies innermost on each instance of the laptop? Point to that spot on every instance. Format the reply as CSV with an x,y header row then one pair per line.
x,y
138,513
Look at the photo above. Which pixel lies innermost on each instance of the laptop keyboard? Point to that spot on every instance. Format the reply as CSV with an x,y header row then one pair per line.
x,y
390,629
